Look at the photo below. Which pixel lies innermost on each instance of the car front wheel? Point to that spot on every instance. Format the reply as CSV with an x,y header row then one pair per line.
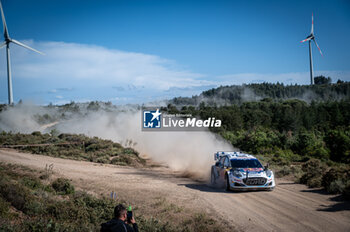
x,y
227,183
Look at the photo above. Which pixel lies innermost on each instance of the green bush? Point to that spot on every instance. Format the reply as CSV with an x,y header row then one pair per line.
x,y
15,194
121,160
313,172
62,186
336,180
153,224
337,186
4,207
284,171
338,142
35,207
130,151
32,183
103,160
36,133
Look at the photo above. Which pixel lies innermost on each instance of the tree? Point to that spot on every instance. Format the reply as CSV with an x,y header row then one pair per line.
x,y
339,144
320,80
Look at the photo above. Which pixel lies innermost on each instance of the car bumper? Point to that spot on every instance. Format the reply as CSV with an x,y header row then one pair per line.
x,y
241,186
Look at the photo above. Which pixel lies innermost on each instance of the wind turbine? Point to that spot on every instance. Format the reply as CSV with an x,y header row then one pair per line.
x,y
309,38
6,43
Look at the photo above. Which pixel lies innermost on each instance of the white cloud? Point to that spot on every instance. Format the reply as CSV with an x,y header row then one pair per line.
x,y
64,61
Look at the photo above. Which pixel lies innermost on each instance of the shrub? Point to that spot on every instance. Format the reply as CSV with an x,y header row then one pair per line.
x,y
4,207
297,171
31,183
17,195
336,186
121,160
103,160
330,177
130,151
153,224
284,171
284,157
62,186
336,180
36,133
35,207
339,144
313,172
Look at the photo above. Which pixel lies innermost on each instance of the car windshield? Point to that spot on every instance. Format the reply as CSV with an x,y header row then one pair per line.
x,y
245,163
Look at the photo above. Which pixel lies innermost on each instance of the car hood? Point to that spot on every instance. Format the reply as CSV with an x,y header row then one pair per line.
x,y
252,172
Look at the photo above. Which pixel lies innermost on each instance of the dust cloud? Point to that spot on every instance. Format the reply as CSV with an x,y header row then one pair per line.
x,y
22,118
189,152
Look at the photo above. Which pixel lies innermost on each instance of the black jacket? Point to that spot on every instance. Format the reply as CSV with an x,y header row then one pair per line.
x,y
117,225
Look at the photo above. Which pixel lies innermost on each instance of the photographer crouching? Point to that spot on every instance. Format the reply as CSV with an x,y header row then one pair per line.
x,y
123,221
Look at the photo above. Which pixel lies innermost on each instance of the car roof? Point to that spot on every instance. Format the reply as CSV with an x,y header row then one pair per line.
x,y
234,155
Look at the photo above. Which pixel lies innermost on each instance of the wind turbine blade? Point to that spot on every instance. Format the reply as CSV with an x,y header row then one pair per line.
x,y
312,24
318,46
3,44
25,46
307,39
6,34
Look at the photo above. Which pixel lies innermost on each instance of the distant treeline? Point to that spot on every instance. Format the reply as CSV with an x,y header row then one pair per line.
x,y
288,125
237,94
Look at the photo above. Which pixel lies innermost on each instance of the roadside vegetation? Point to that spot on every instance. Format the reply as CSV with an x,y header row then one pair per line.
x,y
36,201
309,142
72,146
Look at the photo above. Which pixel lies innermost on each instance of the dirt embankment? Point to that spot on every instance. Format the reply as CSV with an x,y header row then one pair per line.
x,y
290,207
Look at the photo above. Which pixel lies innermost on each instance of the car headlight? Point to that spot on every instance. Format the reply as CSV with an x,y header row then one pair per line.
x,y
269,173
237,174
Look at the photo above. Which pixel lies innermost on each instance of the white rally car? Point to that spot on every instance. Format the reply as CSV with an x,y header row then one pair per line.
x,y
239,171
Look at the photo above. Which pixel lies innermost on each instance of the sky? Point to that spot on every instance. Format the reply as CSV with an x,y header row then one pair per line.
x,y
141,51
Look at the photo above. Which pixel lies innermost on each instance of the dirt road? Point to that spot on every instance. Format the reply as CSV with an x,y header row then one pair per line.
x,y
290,207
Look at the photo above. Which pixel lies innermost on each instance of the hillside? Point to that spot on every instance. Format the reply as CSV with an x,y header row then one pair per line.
x,y
237,94
72,146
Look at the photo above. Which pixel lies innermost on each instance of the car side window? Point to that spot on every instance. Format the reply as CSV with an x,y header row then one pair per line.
x,y
226,162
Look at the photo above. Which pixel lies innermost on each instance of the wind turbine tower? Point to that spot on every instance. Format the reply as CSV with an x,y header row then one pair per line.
x,y
6,43
309,38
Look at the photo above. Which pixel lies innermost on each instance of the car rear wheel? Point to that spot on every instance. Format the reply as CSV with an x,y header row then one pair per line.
x,y
212,178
